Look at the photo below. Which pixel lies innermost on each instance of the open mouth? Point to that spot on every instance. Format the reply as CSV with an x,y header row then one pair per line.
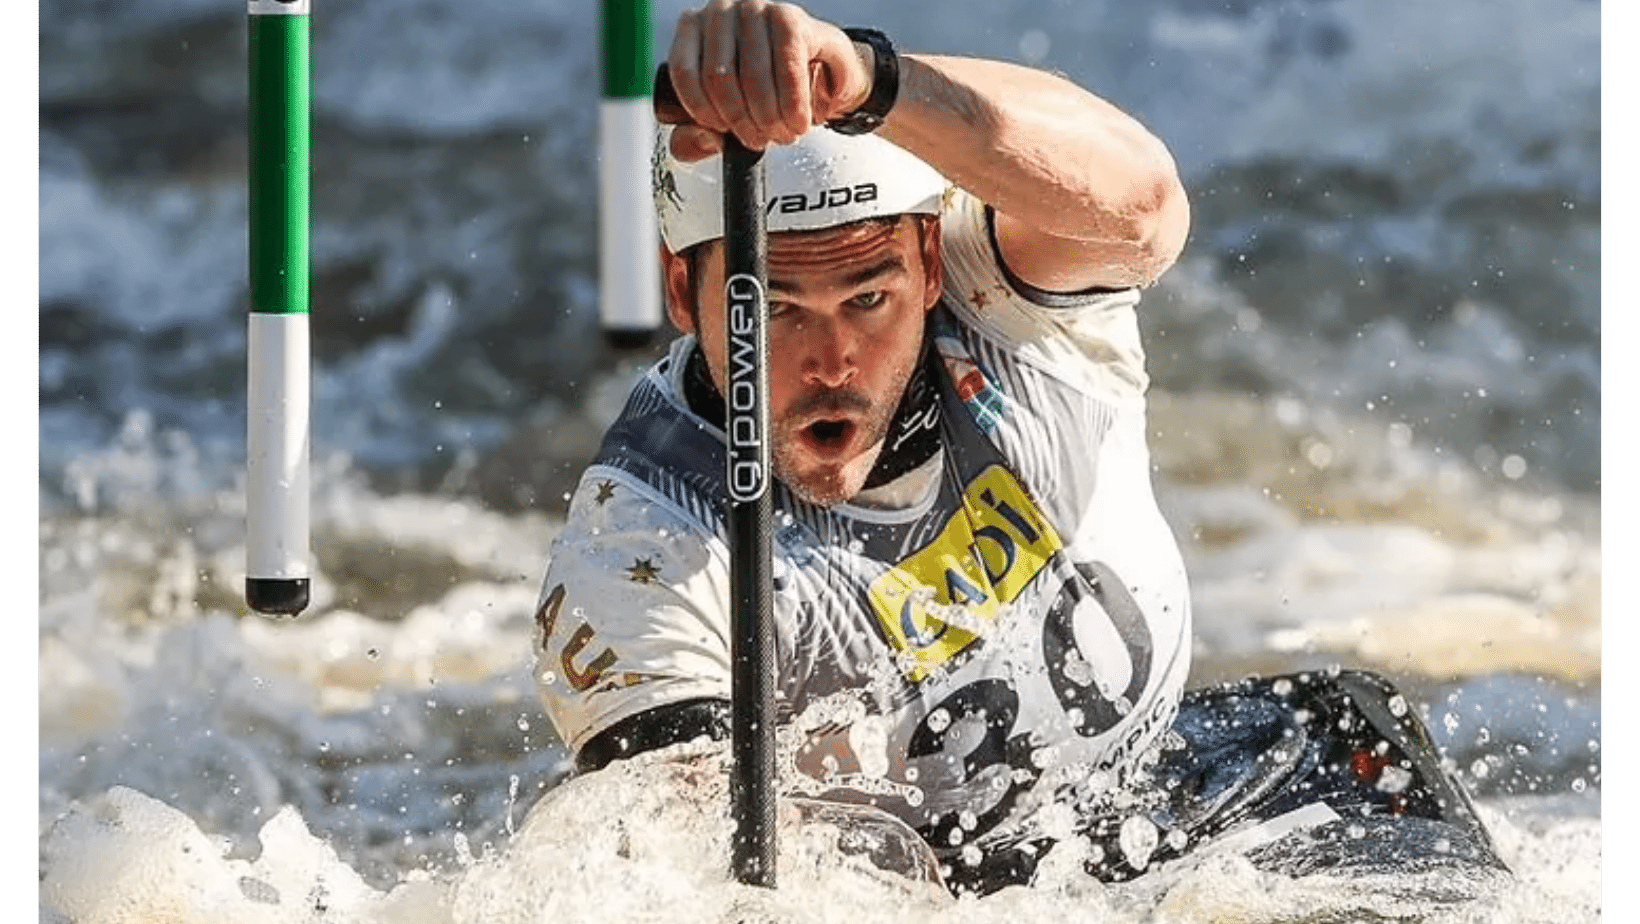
x,y
829,434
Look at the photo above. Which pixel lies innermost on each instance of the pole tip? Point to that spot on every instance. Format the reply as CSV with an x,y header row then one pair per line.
x,y
277,596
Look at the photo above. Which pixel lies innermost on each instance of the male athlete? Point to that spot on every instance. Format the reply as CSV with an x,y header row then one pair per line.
x,y
981,617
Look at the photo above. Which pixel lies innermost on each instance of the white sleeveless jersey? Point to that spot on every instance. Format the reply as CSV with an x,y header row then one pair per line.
x,y
1020,631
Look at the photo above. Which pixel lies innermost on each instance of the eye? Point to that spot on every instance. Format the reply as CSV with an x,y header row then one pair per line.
x,y
869,299
776,309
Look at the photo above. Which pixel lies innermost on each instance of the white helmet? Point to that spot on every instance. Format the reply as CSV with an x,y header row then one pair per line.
x,y
822,180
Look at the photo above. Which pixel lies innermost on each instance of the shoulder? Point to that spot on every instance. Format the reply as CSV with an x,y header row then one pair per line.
x,y
977,276
1087,339
630,615
616,515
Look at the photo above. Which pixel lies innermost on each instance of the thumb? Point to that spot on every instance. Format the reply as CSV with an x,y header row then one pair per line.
x,y
691,143
839,80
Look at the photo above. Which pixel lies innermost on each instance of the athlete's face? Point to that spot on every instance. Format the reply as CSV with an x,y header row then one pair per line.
x,y
847,307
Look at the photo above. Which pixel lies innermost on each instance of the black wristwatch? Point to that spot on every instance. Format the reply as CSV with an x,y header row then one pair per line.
x,y
885,86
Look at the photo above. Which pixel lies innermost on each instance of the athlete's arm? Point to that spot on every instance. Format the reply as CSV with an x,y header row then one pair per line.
x,y
674,723
1085,196
631,642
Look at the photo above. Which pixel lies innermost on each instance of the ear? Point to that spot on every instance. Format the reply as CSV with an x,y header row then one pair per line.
x,y
928,231
675,278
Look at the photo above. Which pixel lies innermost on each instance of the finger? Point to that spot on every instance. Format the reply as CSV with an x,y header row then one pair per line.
x,y
757,76
719,63
790,60
691,143
683,63
668,110
844,81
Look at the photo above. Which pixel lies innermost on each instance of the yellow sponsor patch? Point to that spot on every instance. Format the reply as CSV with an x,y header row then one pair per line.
x,y
944,596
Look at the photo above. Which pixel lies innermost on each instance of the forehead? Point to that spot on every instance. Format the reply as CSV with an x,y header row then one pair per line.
x,y
818,249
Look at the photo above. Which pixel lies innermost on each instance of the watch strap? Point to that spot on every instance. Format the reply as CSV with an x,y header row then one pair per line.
x,y
885,85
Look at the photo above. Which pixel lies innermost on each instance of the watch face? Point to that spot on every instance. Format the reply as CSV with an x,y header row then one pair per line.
x,y
855,123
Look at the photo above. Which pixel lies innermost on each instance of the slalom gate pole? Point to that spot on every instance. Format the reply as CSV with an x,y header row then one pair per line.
x,y
629,308
750,502
279,177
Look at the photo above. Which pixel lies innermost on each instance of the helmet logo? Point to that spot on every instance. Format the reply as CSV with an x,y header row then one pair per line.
x,y
836,197
661,180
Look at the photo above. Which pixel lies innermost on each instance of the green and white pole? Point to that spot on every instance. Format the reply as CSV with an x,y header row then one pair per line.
x,y
279,176
628,270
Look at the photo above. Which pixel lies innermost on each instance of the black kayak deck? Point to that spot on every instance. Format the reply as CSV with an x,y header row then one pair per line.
x,y
1342,751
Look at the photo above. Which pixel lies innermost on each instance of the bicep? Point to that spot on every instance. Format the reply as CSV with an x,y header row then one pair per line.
x,y
1065,265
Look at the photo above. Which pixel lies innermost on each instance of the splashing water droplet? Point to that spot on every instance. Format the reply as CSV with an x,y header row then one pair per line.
x,y
1138,839
512,801
1394,779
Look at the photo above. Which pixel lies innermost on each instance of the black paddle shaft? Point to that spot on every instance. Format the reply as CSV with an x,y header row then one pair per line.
x,y
752,671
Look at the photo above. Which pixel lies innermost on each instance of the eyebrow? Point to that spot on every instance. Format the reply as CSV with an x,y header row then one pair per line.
x,y
858,277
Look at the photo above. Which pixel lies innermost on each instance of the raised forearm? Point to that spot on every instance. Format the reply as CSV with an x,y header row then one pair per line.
x,y
1051,156
1034,146
1085,196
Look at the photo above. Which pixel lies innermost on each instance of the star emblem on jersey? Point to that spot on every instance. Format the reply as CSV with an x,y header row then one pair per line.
x,y
643,571
606,490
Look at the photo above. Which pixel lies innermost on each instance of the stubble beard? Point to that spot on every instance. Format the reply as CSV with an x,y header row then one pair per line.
x,y
825,484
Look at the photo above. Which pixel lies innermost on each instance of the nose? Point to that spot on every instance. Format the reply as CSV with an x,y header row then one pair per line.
x,y
830,353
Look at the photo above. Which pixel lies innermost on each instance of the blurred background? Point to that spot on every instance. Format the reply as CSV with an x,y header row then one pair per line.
x,y
1397,215
1376,379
